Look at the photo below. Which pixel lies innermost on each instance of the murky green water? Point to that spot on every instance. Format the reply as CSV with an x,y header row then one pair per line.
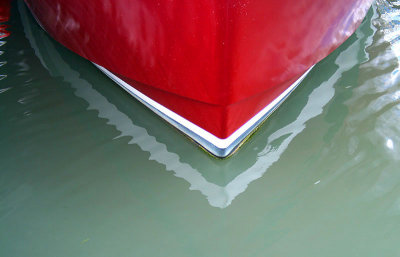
x,y
85,170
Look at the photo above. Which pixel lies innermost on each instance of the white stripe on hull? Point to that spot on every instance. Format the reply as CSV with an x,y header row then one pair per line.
x,y
216,146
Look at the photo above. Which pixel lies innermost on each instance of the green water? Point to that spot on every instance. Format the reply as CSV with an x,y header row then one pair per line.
x,y
85,170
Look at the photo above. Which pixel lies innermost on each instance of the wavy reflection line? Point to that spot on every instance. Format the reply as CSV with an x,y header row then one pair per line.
x,y
317,99
217,196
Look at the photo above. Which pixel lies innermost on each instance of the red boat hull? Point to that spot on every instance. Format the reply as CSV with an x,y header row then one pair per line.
x,y
215,63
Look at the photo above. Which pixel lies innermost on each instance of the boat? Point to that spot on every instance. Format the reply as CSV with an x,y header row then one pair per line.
x,y
215,70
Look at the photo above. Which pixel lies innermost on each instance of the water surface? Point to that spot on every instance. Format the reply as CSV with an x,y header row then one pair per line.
x,y
85,170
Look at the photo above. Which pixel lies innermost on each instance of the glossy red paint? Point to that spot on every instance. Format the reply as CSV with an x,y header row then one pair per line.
x,y
216,63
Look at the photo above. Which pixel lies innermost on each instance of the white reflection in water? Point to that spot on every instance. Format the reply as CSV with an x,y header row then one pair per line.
x,y
2,42
389,144
217,196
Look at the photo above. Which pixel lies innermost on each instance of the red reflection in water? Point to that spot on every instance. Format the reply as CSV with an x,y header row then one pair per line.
x,y
4,17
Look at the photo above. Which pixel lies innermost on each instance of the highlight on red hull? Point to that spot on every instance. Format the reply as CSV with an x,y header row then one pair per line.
x,y
214,69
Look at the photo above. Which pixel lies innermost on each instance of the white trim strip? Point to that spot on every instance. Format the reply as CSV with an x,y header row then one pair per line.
x,y
216,146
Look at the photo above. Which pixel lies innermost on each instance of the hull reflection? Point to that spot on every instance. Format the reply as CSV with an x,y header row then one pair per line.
x,y
4,32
